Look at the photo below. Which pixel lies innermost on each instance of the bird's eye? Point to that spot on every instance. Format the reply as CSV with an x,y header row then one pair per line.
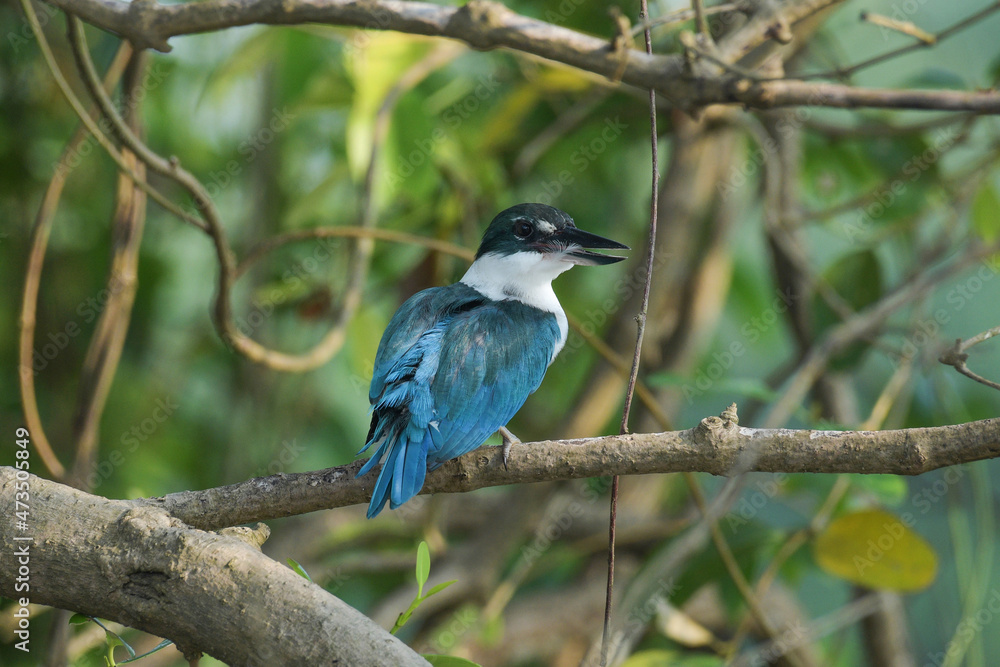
x,y
523,229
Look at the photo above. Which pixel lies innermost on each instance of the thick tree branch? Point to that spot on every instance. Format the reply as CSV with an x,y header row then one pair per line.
x,y
487,25
208,592
714,446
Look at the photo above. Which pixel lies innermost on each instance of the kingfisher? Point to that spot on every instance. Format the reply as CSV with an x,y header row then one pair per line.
x,y
456,362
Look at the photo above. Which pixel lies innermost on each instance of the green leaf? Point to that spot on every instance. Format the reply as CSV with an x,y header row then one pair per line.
x,y
423,566
437,589
423,572
878,550
986,213
448,661
298,569
79,619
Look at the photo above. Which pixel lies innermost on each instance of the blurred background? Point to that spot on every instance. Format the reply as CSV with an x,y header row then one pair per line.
x,y
776,229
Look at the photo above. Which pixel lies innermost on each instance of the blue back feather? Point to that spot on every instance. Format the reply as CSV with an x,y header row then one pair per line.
x,y
451,369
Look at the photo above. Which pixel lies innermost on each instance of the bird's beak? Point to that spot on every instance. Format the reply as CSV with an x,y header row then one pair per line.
x,y
580,240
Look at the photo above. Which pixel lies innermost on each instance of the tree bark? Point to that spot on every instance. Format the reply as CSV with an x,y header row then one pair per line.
x,y
207,592
488,25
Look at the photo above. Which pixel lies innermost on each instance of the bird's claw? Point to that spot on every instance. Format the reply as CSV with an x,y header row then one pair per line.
x,y
509,440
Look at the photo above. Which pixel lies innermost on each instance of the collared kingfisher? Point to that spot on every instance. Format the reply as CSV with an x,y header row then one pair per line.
x,y
456,362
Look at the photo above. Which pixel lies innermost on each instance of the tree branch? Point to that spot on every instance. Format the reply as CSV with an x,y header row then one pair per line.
x,y
956,356
714,446
207,592
488,25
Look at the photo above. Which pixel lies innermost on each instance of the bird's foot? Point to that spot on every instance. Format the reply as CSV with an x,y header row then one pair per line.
x,y
509,440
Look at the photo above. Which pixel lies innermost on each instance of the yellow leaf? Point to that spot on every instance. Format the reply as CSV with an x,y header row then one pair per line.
x,y
878,550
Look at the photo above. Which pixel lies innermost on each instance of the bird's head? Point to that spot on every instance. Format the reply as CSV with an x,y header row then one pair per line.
x,y
547,232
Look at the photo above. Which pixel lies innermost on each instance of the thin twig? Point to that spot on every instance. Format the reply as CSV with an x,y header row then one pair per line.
x,y
956,356
89,122
905,27
682,15
700,20
847,72
640,329
860,326
873,127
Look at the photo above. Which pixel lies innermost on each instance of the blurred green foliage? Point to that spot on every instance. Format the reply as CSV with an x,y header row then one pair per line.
x,y
278,123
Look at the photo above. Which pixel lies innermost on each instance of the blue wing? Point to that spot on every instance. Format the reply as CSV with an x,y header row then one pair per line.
x,y
452,368
493,358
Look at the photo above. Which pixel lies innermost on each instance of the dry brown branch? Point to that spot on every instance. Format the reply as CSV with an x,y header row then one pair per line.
x,y
487,25
706,448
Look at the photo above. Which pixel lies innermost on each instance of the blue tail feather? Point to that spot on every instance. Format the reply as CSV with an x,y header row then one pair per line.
x,y
403,471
